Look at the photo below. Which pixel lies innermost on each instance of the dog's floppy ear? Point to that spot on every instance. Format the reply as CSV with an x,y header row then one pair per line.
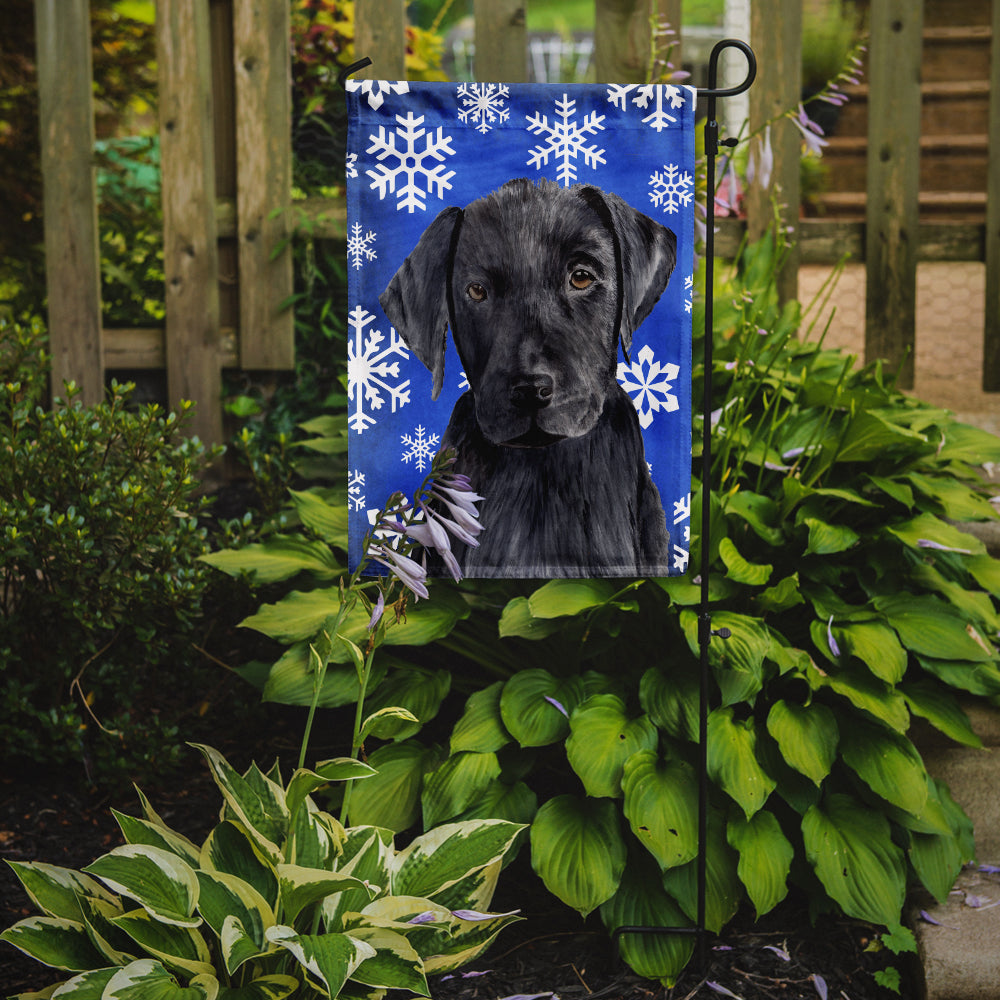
x,y
646,253
416,300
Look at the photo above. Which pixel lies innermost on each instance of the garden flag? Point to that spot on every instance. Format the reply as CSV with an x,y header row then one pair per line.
x,y
520,265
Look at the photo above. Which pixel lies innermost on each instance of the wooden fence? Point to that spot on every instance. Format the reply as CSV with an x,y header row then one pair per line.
x,y
226,161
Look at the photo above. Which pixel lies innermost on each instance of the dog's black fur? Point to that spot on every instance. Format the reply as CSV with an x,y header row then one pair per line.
x,y
539,284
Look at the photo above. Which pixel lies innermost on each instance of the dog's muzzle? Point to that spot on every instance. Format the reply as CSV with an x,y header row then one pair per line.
x,y
532,392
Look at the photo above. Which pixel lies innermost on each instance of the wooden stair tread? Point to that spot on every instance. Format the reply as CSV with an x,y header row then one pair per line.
x,y
932,89
936,199
958,33
846,145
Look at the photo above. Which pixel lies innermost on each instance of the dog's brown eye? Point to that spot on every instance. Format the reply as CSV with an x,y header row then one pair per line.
x,y
581,279
476,292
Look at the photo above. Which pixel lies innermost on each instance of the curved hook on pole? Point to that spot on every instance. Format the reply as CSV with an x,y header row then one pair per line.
x,y
713,69
352,68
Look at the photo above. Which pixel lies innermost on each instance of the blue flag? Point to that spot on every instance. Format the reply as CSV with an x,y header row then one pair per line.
x,y
520,283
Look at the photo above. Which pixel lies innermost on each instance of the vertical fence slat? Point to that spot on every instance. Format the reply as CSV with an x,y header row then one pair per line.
x,y
501,41
991,332
776,35
72,256
261,56
380,34
621,40
190,253
893,183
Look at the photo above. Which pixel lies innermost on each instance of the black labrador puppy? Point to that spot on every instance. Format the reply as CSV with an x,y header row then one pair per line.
x,y
539,284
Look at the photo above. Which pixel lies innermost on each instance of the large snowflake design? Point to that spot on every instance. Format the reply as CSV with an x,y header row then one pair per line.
x,y
565,139
410,162
419,449
483,104
355,490
376,90
672,189
650,385
660,95
373,370
359,247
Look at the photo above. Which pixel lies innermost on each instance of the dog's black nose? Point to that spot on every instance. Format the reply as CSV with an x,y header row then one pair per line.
x,y
532,392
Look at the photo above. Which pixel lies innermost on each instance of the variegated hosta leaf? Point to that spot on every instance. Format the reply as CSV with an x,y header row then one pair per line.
x,y
475,891
441,857
535,706
275,987
56,891
481,727
367,855
300,887
765,858
661,799
54,941
315,839
578,851
395,964
229,848
850,847
602,737
732,760
141,831
158,880
468,939
328,959
86,986
807,736
177,947
147,979
304,782
456,784
225,897
116,946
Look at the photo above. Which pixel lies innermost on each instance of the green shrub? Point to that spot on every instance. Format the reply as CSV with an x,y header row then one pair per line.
x,y
99,546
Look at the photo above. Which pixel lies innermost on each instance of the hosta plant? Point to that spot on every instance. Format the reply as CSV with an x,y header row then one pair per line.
x,y
279,900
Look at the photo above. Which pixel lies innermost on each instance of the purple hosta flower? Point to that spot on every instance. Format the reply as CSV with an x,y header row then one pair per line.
x,y
811,132
782,953
719,988
427,917
411,574
377,612
820,983
475,915
834,648
927,543
558,705
430,534
760,166
989,869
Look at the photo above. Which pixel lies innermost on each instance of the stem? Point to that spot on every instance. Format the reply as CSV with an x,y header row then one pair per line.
x,y
356,738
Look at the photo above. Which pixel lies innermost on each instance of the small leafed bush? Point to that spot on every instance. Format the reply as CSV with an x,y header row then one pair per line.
x,y
99,574
280,899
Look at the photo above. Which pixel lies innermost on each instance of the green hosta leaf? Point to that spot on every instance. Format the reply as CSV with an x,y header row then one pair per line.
x,y
732,760
230,849
870,436
391,798
602,738
578,851
850,847
330,959
559,598
738,661
395,964
279,558
893,488
297,616
758,511
807,736
292,680
976,678
180,948
931,628
827,539
466,940
481,728
275,987
456,784
147,979
304,782
783,595
765,858
98,916
661,798
441,857
141,831
225,897
928,528
641,901
386,723
528,710
367,854
865,692
87,986
516,803
976,605
54,941
418,691
238,944
328,520
888,763
671,700
941,709
739,569
301,887
937,859
159,881
876,646
56,891
965,443
517,620
958,502
986,572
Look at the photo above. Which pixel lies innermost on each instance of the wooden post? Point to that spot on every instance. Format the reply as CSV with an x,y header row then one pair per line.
x,y
72,255
262,60
893,183
190,253
380,34
501,41
991,333
776,35
622,40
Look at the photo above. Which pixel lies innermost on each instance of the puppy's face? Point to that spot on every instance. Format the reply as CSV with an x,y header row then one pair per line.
x,y
536,301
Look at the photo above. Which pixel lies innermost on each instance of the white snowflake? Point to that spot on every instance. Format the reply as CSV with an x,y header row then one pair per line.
x,y
682,508
565,139
681,557
359,248
420,448
483,104
688,292
411,164
371,370
377,89
662,95
355,484
649,384
672,188
351,165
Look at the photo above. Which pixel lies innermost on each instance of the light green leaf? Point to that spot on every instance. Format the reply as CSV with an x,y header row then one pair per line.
x,y
807,736
147,979
54,941
828,539
957,501
517,620
866,692
279,558
292,681
783,595
559,598
876,646
661,798
301,887
328,520
765,858
418,691
56,891
738,661
141,831
515,803
931,628
671,699
391,798
230,849
367,854
274,987
330,959
927,527
965,443
395,964
225,897
732,760
481,728
297,616
578,851
180,948
758,511
739,569
870,436
86,986
976,678
888,763
304,782
160,882
601,739
986,571
456,784
850,848
527,711
385,723
936,704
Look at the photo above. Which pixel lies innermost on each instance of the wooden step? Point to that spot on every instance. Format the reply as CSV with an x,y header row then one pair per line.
x,y
958,206
956,53
939,13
